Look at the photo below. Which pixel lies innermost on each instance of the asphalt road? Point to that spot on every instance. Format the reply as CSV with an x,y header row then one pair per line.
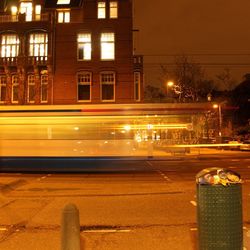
x,y
123,204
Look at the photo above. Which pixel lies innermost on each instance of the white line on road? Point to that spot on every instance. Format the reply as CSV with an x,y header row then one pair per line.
x,y
108,231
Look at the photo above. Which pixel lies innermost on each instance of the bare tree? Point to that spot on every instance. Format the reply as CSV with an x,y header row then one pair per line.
x,y
189,80
226,80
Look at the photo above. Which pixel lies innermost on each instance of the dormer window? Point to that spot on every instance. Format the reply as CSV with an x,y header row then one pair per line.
x,y
63,16
61,2
26,8
113,9
38,9
101,10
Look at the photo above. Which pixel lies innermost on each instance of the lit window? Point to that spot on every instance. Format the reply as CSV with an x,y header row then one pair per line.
x,y
26,8
101,10
107,86
31,89
113,9
15,89
44,88
107,46
9,46
137,81
63,2
38,45
84,46
63,16
84,86
13,10
3,88
38,12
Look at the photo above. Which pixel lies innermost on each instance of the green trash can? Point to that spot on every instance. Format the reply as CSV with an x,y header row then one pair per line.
x,y
219,210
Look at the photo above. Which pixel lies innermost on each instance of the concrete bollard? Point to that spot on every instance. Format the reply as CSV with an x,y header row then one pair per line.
x,y
70,230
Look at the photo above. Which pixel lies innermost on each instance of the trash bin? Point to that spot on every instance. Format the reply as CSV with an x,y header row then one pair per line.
x,y
219,210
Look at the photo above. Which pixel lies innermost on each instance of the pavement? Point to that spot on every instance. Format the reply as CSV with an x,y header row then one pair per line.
x,y
36,224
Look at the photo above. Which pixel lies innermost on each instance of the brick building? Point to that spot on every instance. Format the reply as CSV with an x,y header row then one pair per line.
x,y
68,52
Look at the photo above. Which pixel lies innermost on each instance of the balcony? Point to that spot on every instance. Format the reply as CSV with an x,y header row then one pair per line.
x,y
30,60
10,61
37,60
22,18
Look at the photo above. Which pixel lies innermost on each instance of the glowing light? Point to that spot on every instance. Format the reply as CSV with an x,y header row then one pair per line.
x,y
149,126
127,127
76,128
215,106
63,2
170,84
13,10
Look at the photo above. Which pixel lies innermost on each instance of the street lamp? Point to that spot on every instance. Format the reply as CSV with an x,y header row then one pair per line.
x,y
169,84
218,106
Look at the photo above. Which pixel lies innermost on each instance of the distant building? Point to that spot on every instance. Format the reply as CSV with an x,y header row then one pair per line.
x,y
68,52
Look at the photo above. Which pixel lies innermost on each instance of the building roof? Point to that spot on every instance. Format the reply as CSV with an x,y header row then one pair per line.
x,y
53,4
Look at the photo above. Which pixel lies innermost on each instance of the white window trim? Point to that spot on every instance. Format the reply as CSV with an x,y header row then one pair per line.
x,y
3,84
99,9
47,84
63,12
40,45
114,85
90,85
12,87
5,45
108,42
78,43
117,6
30,84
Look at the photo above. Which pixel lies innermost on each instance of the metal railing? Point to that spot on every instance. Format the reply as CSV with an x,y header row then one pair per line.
x,y
16,18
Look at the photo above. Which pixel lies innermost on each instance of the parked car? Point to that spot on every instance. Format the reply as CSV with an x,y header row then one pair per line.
x,y
245,145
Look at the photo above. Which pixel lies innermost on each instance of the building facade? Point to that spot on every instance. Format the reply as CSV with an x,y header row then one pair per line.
x,y
68,52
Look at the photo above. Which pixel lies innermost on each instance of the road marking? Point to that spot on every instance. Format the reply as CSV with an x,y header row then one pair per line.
x,y
194,203
235,160
107,231
194,229
159,172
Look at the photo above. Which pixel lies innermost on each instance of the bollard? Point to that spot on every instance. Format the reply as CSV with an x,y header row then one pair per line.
x,y
219,210
70,231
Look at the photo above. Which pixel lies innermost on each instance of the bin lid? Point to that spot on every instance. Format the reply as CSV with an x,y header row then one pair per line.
x,y
217,176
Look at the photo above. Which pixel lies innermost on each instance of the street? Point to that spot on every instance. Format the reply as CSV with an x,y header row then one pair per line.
x,y
126,204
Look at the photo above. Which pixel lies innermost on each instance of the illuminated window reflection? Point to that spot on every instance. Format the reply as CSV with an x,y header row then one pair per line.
x,y
113,9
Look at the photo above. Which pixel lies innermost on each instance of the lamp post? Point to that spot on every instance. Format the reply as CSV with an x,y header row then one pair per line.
x,y
218,106
169,84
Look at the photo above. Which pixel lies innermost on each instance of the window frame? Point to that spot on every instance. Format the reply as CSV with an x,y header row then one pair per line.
x,y
3,84
107,43
44,83
85,84
103,83
10,48
31,84
113,8
14,84
84,43
101,10
64,16
39,46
